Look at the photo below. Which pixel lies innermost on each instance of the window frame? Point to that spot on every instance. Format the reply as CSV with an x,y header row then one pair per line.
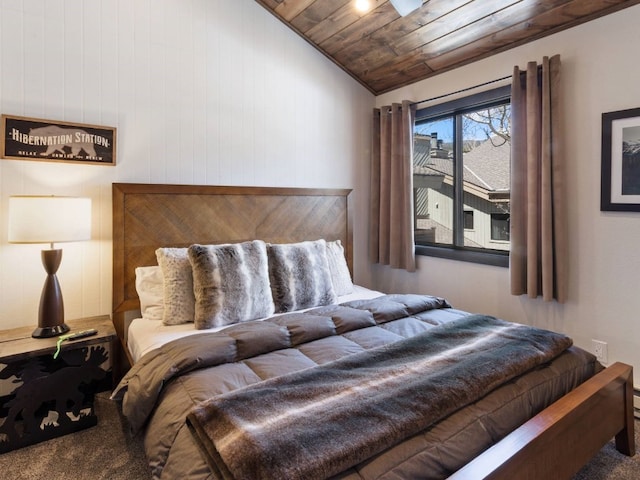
x,y
456,108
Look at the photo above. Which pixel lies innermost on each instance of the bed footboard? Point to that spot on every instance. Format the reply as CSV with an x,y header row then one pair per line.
x,y
558,441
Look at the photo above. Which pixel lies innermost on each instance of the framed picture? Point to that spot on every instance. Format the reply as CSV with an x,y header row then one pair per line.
x,y
26,138
620,178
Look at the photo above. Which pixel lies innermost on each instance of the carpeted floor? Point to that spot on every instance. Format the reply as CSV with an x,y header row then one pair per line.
x,y
103,452
609,464
107,452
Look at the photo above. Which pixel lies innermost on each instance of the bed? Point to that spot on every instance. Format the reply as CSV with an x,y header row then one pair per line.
x,y
546,422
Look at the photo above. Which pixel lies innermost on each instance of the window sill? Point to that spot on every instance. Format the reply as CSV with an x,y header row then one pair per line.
x,y
472,256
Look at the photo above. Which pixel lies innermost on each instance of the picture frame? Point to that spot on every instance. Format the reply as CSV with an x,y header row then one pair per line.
x,y
25,138
620,175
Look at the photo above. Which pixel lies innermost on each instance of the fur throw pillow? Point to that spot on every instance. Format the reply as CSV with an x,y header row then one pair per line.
x,y
299,275
179,302
230,283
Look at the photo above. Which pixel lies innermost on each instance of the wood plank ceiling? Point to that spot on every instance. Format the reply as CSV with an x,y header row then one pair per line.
x,y
384,51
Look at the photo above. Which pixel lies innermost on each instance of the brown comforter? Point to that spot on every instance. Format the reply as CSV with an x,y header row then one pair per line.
x,y
166,384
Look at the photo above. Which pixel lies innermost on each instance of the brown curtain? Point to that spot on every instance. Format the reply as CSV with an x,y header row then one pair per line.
x,y
391,232
538,218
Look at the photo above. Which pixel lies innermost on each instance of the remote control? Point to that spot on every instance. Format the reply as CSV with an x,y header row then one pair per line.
x,y
82,334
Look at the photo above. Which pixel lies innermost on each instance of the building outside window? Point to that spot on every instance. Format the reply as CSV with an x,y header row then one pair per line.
x,y
462,178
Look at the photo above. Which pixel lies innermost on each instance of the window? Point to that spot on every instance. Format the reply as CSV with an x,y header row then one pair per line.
x,y
500,226
461,178
468,219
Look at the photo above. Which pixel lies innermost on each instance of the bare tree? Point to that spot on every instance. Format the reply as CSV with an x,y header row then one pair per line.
x,y
494,123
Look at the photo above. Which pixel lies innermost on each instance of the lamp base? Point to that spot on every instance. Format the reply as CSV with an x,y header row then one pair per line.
x,y
46,332
51,312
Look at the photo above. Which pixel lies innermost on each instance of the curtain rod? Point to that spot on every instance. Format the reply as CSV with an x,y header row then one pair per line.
x,y
461,91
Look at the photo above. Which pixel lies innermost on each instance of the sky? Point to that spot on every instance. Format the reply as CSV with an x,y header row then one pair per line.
x,y
472,130
444,129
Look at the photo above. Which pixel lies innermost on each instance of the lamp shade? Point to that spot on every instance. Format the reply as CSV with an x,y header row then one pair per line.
x,y
49,219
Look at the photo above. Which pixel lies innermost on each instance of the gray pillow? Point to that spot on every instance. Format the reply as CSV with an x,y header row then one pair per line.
x,y
179,302
299,275
230,283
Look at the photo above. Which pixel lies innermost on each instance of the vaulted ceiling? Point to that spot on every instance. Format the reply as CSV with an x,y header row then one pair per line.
x,y
384,51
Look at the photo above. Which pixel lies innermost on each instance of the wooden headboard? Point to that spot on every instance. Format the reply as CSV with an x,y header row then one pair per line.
x,y
149,216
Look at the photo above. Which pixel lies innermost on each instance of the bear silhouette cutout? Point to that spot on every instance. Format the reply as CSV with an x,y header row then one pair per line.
x,y
64,133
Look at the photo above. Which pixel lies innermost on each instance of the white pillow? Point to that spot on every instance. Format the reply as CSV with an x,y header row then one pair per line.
x,y
149,285
340,275
179,300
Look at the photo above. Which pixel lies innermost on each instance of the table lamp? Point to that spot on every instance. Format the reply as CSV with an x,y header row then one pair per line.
x,y
49,219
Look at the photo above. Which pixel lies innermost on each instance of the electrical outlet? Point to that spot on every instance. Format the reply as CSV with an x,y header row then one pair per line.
x,y
600,350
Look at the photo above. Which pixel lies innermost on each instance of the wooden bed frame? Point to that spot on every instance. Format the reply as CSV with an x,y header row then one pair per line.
x,y
148,216
553,444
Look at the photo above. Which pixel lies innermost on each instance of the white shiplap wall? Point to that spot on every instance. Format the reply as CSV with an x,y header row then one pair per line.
x,y
201,92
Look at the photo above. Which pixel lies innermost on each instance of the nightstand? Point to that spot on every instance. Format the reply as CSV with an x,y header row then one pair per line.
x,y
42,397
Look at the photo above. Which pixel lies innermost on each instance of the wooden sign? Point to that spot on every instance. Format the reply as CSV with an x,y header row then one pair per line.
x,y
55,141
